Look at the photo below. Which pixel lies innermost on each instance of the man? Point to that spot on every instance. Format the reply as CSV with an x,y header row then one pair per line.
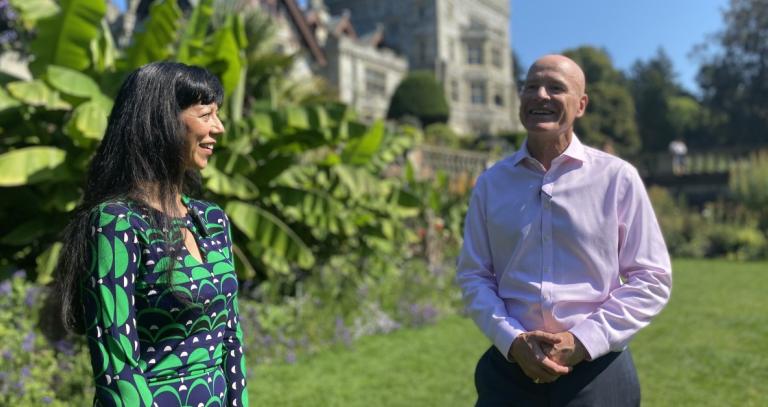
x,y
563,259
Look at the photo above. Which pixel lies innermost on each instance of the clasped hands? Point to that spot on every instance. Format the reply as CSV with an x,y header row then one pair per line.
x,y
545,356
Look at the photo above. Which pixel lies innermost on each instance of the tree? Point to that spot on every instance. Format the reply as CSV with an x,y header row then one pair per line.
x,y
518,71
611,111
419,95
734,79
654,90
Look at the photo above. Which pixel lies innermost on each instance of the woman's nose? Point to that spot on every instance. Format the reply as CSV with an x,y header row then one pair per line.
x,y
218,126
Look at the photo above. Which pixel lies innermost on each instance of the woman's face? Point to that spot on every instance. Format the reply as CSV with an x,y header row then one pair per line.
x,y
203,125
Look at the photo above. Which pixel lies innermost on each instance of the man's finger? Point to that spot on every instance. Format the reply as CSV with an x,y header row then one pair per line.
x,y
538,374
545,337
547,364
555,368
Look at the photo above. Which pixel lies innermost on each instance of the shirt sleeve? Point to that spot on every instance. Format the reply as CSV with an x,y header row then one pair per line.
x,y
476,277
108,299
234,358
645,268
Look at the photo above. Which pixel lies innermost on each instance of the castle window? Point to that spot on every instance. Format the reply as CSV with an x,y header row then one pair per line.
x,y
375,82
477,91
474,54
496,57
499,100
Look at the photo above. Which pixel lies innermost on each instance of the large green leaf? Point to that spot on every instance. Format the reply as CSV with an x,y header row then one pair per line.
x,y
229,185
156,40
33,10
29,165
226,57
359,151
6,101
64,39
72,82
103,50
25,233
193,41
89,121
269,233
46,263
37,93
317,209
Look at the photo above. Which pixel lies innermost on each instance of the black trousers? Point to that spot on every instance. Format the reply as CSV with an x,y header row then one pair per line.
x,y
609,381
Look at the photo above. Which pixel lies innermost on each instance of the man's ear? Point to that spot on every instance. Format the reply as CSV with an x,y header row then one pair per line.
x,y
583,102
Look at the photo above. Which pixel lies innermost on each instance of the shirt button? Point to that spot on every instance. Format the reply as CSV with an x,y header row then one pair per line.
x,y
546,238
546,204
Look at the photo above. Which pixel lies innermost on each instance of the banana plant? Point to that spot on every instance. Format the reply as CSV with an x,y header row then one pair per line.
x,y
302,183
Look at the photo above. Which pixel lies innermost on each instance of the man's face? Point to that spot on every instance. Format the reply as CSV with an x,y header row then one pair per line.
x,y
552,97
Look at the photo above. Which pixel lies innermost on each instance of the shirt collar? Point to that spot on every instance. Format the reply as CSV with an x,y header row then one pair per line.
x,y
575,150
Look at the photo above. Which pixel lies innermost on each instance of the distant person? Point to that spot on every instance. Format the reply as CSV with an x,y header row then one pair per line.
x,y
146,270
563,260
607,147
679,150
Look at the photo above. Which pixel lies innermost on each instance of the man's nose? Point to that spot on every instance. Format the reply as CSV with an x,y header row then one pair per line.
x,y
541,92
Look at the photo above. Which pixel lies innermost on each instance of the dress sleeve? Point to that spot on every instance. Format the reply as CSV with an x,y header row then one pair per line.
x,y
234,358
645,268
110,316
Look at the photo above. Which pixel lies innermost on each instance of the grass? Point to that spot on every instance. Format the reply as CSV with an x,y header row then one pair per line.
x,y
708,348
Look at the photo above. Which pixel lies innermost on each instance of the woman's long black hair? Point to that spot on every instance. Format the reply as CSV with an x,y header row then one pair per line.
x,y
141,156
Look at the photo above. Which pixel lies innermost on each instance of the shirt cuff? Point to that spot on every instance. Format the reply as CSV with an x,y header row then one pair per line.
x,y
505,335
590,333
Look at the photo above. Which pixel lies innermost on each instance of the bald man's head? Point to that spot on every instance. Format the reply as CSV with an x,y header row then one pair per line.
x,y
566,65
553,96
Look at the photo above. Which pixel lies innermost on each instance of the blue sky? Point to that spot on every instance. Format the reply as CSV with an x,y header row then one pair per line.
x,y
629,30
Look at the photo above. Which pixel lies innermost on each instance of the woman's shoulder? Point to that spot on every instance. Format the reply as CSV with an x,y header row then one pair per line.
x,y
117,210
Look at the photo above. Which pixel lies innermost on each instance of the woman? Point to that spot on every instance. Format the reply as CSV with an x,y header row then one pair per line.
x,y
146,270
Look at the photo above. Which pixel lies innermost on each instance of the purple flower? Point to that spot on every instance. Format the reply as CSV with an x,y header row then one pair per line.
x,y
342,333
29,342
5,287
267,341
25,371
64,346
7,355
19,274
31,297
47,400
290,357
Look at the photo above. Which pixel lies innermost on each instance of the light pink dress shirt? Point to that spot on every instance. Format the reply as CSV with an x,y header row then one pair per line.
x,y
576,248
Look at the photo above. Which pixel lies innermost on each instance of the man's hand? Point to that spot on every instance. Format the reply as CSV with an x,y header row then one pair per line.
x,y
567,351
528,351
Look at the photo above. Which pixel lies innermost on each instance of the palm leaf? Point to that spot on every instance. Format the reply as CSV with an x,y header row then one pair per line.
x,y
268,234
64,39
155,42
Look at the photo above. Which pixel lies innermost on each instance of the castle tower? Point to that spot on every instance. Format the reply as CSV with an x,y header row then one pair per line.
x,y
464,42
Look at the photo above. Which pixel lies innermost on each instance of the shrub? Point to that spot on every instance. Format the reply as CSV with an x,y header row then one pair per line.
x,y
720,229
422,96
37,372
440,134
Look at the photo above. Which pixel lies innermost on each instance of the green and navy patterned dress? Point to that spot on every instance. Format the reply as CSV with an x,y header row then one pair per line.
x,y
150,346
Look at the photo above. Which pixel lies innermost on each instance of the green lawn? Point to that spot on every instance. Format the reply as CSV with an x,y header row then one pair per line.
x,y
708,348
